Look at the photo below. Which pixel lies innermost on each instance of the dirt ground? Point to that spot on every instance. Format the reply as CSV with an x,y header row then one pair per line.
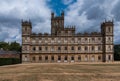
x,y
61,72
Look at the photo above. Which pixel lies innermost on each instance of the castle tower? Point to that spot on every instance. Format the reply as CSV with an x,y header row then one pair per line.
x,y
57,23
107,29
26,32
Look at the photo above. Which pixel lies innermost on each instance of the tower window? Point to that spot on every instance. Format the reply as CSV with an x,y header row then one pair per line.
x,y
109,29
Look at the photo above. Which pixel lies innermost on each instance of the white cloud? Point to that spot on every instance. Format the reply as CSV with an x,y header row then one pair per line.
x,y
88,16
67,2
12,11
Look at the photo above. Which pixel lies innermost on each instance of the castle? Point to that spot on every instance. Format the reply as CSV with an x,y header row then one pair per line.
x,y
65,45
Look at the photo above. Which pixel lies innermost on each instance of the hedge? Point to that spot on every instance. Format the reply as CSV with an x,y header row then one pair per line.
x,y
9,61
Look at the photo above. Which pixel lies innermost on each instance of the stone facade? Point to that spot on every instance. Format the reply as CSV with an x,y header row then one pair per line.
x,y
65,45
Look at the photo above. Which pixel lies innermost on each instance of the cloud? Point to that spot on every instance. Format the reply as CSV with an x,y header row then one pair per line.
x,y
116,12
67,2
87,16
11,13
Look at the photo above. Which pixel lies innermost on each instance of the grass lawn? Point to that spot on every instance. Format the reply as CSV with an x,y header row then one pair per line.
x,y
61,72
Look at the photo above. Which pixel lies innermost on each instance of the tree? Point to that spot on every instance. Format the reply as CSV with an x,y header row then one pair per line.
x,y
4,45
14,46
117,52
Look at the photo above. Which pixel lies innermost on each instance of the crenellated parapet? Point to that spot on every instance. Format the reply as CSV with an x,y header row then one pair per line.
x,y
26,23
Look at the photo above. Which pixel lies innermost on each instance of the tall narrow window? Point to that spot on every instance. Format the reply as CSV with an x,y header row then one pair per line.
x,y
65,58
79,48
52,58
92,48
40,57
99,57
109,57
86,48
72,48
59,57
33,58
46,48
65,48
99,48
79,58
34,48
72,58
40,48
46,58
109,29
86,58
59,48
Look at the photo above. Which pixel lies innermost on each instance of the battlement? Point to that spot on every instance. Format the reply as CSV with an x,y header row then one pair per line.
x,y
57,17
26,23
69,28
109,22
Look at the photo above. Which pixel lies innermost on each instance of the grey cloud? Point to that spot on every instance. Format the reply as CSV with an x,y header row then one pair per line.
x,y
95,13
116,11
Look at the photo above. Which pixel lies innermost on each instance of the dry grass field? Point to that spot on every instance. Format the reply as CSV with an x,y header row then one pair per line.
x,y
61,72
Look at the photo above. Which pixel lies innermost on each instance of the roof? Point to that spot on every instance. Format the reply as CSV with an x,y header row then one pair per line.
x,y
8,52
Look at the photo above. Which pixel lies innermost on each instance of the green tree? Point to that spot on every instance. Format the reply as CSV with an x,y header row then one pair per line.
x,y
117,52
4,45
14,46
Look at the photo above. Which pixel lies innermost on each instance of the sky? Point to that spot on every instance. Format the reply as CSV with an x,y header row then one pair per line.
x,y
86,15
